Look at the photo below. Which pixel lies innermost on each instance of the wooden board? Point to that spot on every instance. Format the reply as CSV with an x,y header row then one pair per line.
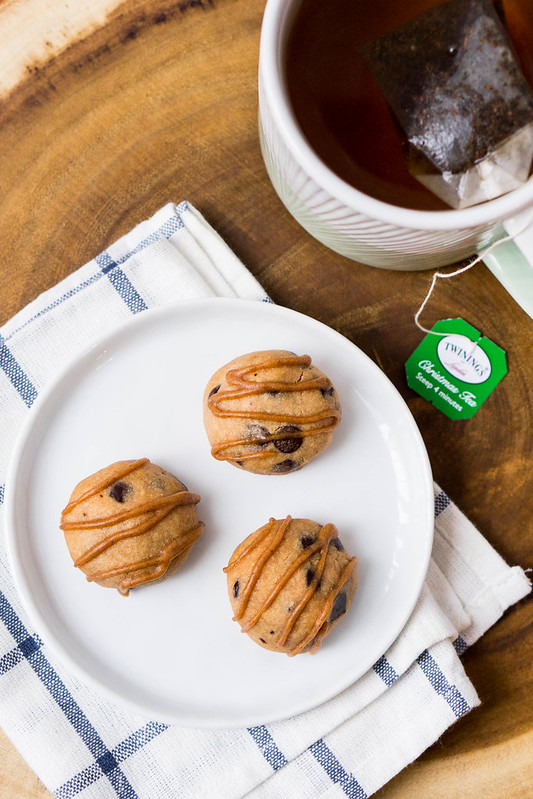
x,y
109,111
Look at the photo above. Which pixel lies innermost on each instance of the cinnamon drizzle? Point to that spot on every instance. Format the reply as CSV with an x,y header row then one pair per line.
x,y
319,630
321,422
144,516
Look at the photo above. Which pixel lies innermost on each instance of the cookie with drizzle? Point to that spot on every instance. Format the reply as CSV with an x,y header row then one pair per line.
x,y
270,412
129,524
290,583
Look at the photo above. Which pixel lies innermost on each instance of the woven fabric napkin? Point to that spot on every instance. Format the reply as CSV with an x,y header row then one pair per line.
x,y
77,741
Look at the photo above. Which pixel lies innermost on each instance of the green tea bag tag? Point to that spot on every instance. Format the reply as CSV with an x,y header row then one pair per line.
x,y
457,369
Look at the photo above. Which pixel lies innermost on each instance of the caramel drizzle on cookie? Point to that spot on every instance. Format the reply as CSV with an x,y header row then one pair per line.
x,y
316,635
321,626
127,468
152,568
144,516
260,562
324,421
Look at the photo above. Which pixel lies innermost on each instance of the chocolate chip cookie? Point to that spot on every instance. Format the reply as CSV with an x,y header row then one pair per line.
x,y
130,523
270,412
290,583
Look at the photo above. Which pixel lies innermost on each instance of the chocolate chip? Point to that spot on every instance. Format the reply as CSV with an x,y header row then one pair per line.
x,y
236,587
288,444
214,391
263,640
337,543
310,576
239,463
273,393
283,466
339,606
307,540
271,632
120,490
327,392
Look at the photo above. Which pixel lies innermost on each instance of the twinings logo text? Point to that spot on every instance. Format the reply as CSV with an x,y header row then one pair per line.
x,y
463,358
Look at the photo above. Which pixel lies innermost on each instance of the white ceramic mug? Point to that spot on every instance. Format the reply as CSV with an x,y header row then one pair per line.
x,y
366,229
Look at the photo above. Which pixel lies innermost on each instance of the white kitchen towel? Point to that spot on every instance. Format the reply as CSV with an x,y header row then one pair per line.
x,y
82,745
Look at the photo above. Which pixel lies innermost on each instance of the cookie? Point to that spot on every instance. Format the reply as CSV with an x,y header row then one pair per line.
x,y
130,523
270,412
290,583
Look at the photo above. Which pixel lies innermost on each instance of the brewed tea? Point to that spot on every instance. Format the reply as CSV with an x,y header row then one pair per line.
x,y
338,104
464,109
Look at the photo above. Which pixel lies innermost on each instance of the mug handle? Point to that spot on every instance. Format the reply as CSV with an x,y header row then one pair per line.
x,y
511,262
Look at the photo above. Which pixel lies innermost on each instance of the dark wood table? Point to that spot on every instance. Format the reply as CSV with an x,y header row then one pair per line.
x,y
106,118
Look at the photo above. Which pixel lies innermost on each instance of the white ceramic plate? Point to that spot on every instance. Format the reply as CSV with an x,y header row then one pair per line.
x,y
171,651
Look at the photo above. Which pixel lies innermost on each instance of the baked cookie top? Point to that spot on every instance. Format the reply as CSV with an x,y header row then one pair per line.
x,y
270,412
289,583
130,523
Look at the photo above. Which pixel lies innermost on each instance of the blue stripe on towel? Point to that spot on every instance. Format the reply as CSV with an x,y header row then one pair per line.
x,y
16,374
383,669
269,749
71,293
121,283
118,279
442,501
23,650
30,649
335,771
437,679
460,645
129,746
167,229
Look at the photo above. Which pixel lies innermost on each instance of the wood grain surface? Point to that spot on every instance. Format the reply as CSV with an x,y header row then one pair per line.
x,y
109,111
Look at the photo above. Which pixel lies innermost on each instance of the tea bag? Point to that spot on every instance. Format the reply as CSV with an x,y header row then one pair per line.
x,y
452,81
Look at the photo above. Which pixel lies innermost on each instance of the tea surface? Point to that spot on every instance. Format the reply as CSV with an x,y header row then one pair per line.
x,y
340,107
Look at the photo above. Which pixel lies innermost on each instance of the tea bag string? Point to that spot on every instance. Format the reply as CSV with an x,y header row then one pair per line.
x,y
477,259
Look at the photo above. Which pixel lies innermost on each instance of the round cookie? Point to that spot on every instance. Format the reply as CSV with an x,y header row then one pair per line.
x,y
130,523
290,583
270,412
